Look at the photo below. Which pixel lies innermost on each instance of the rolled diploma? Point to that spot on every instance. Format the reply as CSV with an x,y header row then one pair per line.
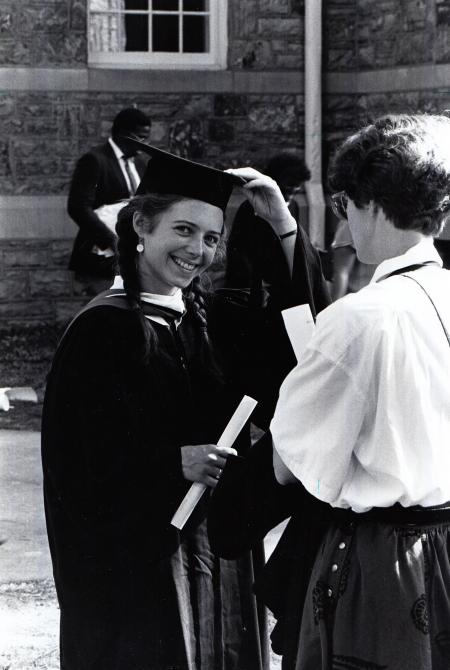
x,y
300,326
227,439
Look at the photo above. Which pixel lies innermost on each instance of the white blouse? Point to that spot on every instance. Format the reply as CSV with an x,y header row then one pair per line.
x,y
364,419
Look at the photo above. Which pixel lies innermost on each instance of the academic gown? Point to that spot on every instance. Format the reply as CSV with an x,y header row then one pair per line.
x,y
134,593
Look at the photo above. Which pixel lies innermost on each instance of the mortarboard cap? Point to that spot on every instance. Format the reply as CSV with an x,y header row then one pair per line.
x,y
167,173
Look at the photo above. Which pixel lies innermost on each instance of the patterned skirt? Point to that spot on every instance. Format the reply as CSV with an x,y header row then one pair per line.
x,y
379,599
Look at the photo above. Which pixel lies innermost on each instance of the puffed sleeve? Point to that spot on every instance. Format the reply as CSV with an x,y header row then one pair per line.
x,y
324,401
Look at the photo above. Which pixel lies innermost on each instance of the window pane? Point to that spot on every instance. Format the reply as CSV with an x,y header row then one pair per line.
x,y
106,32
136,29
136,4
195,34
165,33
196,5
166,5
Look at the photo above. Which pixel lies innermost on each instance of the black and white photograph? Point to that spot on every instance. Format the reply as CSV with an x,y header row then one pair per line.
x,y
225,335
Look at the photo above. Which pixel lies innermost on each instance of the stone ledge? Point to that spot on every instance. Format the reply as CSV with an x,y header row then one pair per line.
x,y
225,81
34,217
395,79
150,81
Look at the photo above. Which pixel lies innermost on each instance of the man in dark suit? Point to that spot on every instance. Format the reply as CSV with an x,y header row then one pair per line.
x,y
104,176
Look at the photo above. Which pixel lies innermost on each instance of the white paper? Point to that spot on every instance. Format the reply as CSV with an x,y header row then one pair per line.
x,y
227,439
300,326
23,393
108,214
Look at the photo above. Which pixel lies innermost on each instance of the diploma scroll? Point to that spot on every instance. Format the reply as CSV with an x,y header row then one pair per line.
x,y
227,439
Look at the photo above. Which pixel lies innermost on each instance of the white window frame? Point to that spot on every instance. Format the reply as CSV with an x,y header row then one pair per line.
x,y
215,59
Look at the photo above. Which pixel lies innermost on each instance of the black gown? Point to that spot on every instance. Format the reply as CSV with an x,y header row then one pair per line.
x,y
255,259
134,593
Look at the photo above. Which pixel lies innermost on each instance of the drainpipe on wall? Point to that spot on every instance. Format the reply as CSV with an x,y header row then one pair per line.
x,y
313,121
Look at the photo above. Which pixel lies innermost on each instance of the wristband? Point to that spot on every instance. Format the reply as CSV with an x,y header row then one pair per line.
x,y
291,232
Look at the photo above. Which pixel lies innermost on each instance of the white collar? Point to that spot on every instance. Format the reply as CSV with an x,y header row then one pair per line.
x,y
175,301
421,252
117,150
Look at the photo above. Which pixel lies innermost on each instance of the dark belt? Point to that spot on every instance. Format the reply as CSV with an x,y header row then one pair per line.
x,y
397,514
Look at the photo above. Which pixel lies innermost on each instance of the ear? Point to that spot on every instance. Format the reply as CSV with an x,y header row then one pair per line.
x,y
137,223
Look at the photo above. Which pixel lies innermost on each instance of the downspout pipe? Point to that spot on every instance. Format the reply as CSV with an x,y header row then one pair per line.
x,y
313,121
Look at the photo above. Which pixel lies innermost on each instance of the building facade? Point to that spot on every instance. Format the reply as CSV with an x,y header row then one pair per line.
x,y
66,69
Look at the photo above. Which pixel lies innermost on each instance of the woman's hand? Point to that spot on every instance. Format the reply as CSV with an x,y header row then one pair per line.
x,y
204,462
265,197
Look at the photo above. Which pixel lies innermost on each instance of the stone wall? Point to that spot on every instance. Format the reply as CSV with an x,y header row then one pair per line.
x,y
343,114
35,286
43,33
382,35
266,34
376,34
43,131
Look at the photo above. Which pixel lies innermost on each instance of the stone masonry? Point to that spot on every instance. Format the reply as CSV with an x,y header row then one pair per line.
x,y
35,286
376,34
42,133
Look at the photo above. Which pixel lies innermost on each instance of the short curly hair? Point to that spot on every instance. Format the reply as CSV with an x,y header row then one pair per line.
x,y
401,163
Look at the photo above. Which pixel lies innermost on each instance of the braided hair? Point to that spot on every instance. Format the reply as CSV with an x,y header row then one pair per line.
x,y
150,207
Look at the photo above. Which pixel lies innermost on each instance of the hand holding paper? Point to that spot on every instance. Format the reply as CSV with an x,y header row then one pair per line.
x,y
227,439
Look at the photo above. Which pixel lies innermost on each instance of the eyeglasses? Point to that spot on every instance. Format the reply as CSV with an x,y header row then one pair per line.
x,y
339,202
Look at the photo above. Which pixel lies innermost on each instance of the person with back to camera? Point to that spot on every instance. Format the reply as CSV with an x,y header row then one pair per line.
x,y
104,176
360,431
349,273
256,261
363,421
253,255
135,402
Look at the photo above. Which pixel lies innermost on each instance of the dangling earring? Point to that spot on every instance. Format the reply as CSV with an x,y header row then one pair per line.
x,y
139,248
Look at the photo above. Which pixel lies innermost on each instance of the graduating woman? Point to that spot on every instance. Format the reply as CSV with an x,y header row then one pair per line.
x,y
135,403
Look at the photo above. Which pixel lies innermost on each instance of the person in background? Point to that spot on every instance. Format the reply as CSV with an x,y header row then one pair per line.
x,y
104,176
349,273
139,392
363,421
254,259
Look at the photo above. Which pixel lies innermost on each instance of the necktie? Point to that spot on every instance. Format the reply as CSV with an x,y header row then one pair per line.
x,y
133,183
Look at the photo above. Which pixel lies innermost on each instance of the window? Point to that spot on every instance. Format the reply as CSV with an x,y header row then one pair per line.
x,y
182,34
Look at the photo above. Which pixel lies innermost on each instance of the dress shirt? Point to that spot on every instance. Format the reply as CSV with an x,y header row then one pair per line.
x,y
364,419
120,157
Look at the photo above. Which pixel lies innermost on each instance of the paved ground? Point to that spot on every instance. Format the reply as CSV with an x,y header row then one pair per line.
x,y
28,608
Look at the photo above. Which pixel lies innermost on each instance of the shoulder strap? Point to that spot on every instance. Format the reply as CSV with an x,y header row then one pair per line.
x,y
431,300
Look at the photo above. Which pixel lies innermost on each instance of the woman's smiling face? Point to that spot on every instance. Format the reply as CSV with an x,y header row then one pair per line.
x,y
180,246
